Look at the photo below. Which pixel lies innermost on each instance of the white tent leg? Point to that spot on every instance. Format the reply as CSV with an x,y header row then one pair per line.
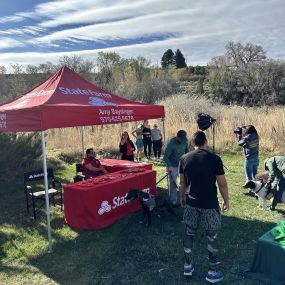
x,y
163,130
164,146
82,142
46,190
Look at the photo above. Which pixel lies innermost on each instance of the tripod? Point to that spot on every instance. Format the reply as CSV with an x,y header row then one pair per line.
x,y
213,133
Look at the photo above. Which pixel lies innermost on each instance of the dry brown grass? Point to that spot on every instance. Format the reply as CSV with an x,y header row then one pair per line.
x,y
181,112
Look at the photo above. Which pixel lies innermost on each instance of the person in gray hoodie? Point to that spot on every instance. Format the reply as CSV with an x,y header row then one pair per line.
x,y
250,144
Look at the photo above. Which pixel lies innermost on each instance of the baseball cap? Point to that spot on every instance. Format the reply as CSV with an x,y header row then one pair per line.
x,y
182,135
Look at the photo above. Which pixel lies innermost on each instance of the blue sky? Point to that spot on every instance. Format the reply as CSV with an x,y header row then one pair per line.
x,y
35,31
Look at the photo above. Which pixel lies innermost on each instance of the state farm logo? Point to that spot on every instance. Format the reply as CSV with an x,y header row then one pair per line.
x,y
100,102
105,207
118,201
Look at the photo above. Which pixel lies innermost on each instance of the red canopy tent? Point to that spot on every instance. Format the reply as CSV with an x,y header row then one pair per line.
x,y
68,100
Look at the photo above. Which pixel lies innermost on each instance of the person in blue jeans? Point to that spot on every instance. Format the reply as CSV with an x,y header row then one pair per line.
x,y
175,148
250,144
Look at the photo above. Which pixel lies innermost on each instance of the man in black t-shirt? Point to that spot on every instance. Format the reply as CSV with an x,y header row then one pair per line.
x,y
199,171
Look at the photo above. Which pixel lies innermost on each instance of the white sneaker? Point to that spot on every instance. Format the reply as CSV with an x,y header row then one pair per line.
x,y
188,269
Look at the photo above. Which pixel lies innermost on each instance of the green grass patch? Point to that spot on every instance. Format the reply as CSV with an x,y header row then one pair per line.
x,y
126,252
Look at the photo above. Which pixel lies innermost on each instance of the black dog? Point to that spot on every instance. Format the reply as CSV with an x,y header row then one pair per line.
x,y
150,203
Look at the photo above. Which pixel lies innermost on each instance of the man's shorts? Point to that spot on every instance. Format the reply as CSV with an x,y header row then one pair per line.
x,y
209,219
139,143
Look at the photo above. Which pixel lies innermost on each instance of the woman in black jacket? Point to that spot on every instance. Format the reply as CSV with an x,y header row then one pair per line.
x,y
127,147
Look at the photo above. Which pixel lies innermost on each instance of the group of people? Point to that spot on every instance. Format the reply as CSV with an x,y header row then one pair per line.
x,y
201,175
274,166
199,171
147,139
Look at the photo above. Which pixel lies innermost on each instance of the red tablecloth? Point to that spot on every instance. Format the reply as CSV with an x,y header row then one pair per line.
x,y
98,202
113,165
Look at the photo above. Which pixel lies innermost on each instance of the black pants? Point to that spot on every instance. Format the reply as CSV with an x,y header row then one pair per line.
x,y
147,147
128,157
279,192
157,145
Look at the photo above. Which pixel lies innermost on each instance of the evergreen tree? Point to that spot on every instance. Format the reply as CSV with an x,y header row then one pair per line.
x,y
167,59
179,59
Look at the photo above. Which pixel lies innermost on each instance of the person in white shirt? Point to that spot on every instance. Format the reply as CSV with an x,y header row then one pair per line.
x,y
156,137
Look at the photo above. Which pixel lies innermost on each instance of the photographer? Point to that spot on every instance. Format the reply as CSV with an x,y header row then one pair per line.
x,y
250,143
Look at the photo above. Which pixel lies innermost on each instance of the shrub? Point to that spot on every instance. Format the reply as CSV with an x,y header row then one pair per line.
x,y
21,152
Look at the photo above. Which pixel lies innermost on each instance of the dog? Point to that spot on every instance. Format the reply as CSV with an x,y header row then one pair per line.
x,y
263,178
260,191
151,203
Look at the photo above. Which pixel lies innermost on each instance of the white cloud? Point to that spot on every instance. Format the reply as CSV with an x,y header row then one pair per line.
x,y
25,30
95,13
126,29
9,43
199,28
14,18
18,17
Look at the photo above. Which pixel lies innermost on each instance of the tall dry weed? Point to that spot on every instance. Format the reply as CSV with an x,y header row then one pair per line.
x,y
181,113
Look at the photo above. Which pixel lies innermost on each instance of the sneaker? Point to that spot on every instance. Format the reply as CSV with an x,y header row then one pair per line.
x,y
188,269
214,276
244,185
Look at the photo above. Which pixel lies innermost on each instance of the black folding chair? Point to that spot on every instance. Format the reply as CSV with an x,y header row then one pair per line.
x,y
78,173
35,193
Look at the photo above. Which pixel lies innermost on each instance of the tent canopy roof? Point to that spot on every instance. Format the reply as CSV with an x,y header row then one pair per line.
x,y
67,100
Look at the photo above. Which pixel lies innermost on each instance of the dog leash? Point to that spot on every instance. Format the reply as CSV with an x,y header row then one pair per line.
x,y
172,179
162,178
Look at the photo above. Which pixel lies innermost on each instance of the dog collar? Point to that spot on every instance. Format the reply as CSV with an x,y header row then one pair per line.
x,y
262,185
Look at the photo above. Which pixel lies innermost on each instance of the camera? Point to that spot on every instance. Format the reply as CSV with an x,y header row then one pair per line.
x,y
238,130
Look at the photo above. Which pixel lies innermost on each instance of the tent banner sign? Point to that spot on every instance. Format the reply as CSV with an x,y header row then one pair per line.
x,y
113,115
78,91
3,124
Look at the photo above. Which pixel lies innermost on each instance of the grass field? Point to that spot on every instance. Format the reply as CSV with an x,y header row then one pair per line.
x,y
126,252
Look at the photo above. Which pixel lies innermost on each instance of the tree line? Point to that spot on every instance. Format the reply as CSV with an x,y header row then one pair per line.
x,y
243,76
